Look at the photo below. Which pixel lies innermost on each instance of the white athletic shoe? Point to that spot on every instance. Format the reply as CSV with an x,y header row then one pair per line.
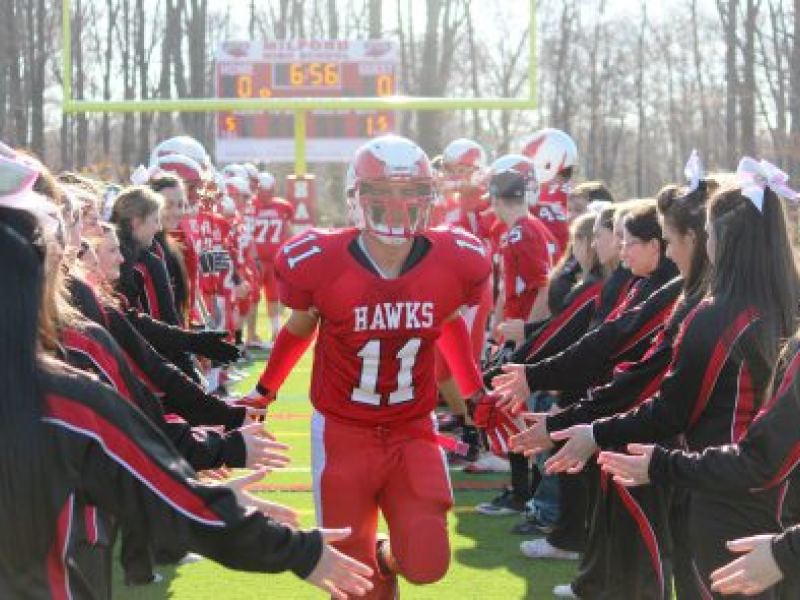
x,y
541,548
488,463
564,591
189,559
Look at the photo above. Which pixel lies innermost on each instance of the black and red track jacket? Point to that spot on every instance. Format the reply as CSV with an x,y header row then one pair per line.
x,y
91,348
181,395
144,281
763,457
713,389
625,336
106,453
633,383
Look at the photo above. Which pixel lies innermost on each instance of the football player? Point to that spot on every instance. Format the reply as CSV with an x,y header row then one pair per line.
x,y
379,298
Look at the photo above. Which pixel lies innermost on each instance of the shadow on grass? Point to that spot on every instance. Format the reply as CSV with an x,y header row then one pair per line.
x,y
152,591
494,548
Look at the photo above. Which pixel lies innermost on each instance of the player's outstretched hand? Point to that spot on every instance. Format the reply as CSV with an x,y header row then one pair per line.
x,y
512,388
499,425
277,512
262,449
751,573
535,438
212,345
572,456
336,573
256,401
628,469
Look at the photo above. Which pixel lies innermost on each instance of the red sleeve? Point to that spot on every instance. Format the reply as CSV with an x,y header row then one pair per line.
x,y
287,350
456,346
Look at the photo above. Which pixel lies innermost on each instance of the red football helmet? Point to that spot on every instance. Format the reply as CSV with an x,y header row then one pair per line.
x,y
390,188
552,151
514,176
463,165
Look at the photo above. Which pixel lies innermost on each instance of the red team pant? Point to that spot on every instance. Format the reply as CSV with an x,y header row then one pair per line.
x,y
361,470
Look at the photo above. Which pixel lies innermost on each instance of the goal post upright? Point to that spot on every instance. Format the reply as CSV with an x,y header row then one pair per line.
x,y
299,106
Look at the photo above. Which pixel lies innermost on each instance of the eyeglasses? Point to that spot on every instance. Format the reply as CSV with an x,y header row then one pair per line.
x,y
632,242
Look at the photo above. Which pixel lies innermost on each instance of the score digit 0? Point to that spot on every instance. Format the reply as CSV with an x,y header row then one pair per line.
x,y
244,86
384,85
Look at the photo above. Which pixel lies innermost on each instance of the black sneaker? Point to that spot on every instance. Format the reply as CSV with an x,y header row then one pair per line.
x,y
505,504
532,526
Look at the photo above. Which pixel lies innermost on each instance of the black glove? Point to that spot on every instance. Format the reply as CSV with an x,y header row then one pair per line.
x,y
212,345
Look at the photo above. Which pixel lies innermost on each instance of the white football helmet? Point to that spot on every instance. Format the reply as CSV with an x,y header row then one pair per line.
x,y
463,165
183,145
392,160
552,151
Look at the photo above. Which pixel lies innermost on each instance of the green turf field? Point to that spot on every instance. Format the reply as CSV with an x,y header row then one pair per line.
x,y
486,562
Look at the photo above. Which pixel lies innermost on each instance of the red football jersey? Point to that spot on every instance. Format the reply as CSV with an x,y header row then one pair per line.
x,y
374,354
216,257
270,224
551,210
528,250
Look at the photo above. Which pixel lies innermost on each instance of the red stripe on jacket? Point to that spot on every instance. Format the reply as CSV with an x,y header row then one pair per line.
x,y
718,358
100,357
588,296
153,309
128,453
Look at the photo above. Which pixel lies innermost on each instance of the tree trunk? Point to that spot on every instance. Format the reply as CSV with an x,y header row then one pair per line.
x,y
748,89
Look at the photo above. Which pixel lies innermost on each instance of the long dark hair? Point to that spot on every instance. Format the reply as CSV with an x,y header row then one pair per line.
x,y
25,455
685,212
753,263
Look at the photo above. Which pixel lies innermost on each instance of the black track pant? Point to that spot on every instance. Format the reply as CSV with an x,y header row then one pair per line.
x,y
715,520
631,549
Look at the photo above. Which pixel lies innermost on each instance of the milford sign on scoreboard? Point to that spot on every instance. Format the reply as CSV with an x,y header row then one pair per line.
x,y
302,69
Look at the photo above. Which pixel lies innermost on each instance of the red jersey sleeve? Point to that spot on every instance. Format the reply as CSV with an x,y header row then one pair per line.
x,y
299,268
469,258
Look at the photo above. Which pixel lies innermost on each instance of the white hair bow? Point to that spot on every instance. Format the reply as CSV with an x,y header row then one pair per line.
x,y
756,176
17,177
141,175
694,171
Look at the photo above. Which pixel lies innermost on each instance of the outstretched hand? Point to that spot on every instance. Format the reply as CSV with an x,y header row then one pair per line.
x,y
751,573
512,388
629,469
262,449
533,440
572,456
277,512
336,573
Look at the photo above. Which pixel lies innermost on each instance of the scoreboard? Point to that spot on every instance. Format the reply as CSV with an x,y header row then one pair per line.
x,y
302,69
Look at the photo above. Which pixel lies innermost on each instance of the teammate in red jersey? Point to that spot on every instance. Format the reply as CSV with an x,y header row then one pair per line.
x,y
555,155
528,248
271,223
380,298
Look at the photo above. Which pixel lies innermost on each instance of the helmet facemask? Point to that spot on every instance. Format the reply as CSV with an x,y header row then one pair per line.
x,y
393,211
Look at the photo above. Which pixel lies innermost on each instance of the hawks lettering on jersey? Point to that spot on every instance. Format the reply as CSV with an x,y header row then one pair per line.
x,y
374,355
391,316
